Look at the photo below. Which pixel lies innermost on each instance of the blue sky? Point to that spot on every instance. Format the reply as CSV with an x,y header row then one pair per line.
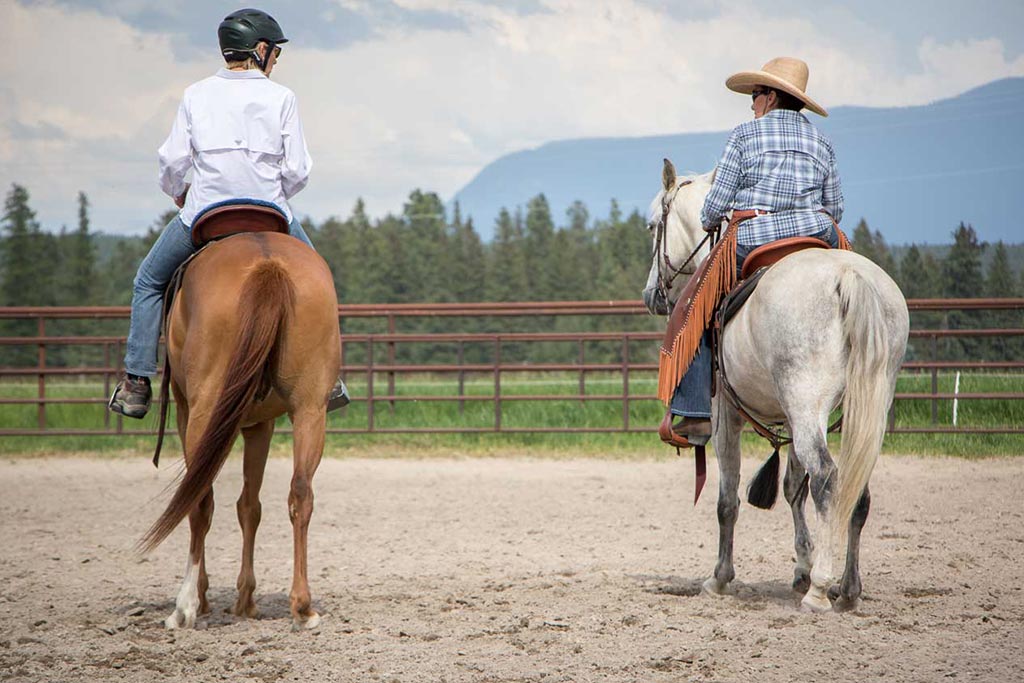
x,y
399,94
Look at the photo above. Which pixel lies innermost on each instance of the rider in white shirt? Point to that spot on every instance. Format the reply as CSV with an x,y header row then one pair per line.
x,y
239,136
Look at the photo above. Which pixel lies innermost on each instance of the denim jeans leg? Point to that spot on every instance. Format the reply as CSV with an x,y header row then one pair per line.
x,y
170,250
295,230
693,395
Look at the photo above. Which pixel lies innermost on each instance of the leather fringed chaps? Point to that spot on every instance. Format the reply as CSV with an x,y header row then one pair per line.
x,y
695,309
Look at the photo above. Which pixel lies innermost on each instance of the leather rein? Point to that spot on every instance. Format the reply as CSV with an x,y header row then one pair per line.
x,y
661,247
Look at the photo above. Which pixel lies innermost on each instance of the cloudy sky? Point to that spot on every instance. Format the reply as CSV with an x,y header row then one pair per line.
x,y
399,94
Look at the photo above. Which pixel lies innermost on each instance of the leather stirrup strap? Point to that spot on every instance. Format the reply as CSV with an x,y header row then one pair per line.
x,y
702,472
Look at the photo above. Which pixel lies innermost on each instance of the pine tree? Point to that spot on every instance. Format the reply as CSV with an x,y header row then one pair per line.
x,y
962,278
506,265
27,265
424,248
863,241
80,260
539,251
1000,282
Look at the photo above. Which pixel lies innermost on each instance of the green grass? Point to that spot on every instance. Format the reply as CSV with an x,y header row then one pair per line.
x,y
516,414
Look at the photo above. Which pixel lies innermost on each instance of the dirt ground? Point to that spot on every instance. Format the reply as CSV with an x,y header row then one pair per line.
x,y
508,570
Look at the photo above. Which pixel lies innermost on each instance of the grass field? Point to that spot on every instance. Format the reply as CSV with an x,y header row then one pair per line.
x,y
480,414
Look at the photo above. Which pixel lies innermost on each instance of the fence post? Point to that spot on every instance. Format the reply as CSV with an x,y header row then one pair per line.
x,y
935,380
497,384
42,375
106,383
462,378
625,383
120,418
369,384
391,361
583,360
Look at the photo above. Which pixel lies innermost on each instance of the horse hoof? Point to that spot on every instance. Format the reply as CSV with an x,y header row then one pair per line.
x,y
713,588
801,583
178,619
308,624
815,602
247,612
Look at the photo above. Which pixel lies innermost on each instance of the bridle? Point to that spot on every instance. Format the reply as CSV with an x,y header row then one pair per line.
x,y
660,254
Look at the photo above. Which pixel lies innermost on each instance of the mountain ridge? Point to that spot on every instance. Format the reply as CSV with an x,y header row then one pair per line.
x,y
897,165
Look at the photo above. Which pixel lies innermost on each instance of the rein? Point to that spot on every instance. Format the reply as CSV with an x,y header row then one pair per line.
x,y
661,247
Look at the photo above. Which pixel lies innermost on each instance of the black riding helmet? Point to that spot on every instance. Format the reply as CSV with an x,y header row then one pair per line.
x,y
242,30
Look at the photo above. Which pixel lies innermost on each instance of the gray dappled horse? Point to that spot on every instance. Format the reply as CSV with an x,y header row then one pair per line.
x,y
822,327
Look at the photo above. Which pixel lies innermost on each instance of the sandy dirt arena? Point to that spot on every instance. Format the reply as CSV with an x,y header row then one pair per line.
x,y
508,570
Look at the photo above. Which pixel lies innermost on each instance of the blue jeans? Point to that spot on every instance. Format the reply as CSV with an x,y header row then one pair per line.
x,y
170,250
692,397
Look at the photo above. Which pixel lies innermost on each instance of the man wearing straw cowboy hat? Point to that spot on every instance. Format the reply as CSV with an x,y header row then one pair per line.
x,y
781,171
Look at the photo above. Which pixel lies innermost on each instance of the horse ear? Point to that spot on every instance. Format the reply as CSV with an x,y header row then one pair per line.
x,y
668,176
714,172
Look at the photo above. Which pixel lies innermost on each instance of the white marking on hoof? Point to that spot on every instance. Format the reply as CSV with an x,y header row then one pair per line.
x,y
180,619
187,607
815,601
714,589
312,622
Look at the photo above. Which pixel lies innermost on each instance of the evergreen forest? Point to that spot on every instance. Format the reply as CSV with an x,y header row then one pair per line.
x,y
424,254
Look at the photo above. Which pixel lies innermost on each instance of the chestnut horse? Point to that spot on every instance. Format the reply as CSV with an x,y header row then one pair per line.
x,y
252,335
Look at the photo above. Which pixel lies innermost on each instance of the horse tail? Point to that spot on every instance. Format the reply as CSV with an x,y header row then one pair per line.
x,y
265,304
869,375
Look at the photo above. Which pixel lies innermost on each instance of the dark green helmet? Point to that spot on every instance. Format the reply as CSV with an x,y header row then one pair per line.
x,y
242,30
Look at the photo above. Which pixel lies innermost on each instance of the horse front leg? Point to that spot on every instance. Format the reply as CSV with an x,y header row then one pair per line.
x,y
257,446
728,426
309,428
794,487
847,593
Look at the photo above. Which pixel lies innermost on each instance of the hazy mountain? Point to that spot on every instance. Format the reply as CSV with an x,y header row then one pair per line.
x,y
912,172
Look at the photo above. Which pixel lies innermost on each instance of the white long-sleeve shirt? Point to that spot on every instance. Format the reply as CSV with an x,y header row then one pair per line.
x,y
239,134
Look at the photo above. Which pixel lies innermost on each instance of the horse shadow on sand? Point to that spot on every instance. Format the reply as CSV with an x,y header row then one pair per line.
x,y
758,595
272,607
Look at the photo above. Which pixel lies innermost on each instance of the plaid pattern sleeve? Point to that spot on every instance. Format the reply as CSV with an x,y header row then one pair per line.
x,y
728,176
782,164
832,194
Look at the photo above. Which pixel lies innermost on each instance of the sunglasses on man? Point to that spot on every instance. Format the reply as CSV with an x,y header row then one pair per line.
x,y
754,94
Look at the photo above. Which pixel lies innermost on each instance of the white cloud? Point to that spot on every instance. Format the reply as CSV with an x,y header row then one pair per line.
x,y
429,108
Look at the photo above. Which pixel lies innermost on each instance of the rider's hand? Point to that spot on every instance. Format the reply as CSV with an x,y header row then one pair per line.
x,y
179,201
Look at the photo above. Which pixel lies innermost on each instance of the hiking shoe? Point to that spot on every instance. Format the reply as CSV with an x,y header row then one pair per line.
x,y
338,398
696,430
132,397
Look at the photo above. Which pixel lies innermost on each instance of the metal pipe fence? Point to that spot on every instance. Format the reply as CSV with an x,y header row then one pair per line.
x,y
629,366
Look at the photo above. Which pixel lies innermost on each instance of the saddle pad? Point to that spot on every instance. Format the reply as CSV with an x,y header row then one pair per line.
x,y
738,296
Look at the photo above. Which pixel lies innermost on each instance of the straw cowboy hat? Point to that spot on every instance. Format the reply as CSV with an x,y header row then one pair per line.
x,y
787,74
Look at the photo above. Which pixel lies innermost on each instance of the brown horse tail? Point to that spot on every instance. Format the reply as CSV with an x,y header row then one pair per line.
x,y
265,304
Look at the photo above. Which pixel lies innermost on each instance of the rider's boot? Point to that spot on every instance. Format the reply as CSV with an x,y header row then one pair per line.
x,y
132,397
338,398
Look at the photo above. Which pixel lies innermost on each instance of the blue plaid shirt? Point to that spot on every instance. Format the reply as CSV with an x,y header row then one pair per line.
x,y
782,164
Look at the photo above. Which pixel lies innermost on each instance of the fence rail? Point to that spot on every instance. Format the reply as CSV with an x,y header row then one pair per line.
x,y
389,314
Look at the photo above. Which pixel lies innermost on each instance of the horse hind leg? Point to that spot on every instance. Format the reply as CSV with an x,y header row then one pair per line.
x,y
309,425
257,446
847,593
728,427
191,600
794,487
811,448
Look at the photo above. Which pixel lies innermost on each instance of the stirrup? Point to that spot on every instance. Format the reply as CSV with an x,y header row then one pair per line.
x,y
669,435
339,397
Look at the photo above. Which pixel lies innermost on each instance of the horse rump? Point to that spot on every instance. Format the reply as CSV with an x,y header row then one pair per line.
x,y
265,304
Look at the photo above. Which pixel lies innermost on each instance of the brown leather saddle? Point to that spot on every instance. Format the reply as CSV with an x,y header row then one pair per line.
x,y
772,252
231,219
